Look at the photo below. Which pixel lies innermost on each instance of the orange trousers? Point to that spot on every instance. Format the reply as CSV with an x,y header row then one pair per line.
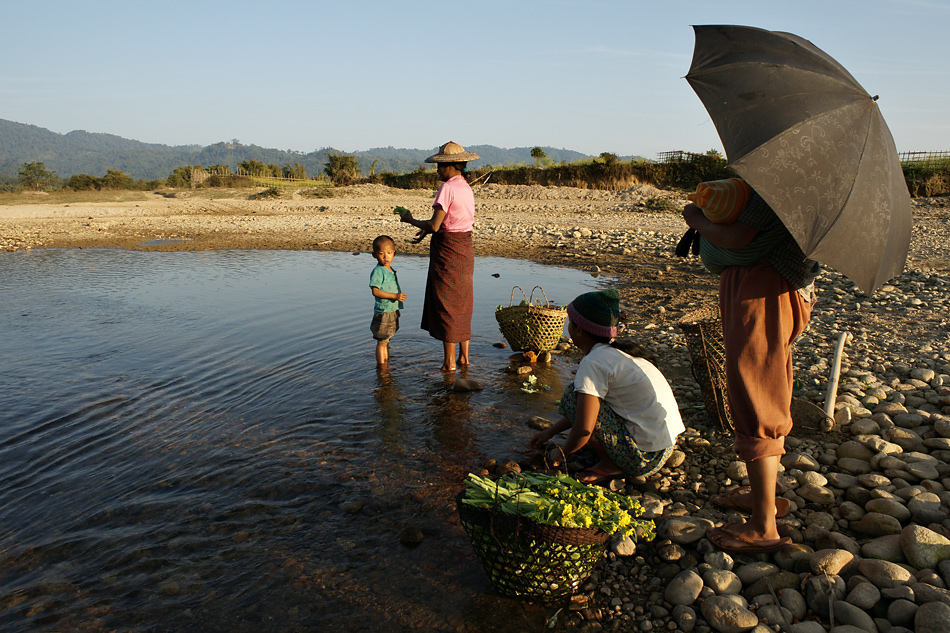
x,y
762,315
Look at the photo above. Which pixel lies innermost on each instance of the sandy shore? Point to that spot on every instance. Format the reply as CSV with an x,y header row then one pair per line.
x,y
348,220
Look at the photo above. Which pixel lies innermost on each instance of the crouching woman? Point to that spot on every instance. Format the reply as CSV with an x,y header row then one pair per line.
x,y
619,403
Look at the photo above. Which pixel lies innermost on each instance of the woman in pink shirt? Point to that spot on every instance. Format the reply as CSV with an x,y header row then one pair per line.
x,y
447,309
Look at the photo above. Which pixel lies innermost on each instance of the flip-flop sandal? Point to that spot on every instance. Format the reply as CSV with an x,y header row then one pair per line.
x,y
728,501
598,476
719,536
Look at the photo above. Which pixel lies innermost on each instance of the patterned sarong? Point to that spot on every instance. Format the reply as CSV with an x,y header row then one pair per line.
x,y
610,431
447,310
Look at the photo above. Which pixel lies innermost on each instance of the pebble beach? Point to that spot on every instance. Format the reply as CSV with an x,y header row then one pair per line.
x,y
869,493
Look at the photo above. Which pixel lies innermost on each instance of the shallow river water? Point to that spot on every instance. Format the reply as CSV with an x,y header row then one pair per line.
x,y
200,441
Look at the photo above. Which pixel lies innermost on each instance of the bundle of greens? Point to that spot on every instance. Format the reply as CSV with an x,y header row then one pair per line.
x,y
559,500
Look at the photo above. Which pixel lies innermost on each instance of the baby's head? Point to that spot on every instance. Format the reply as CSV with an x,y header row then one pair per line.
x,y
597,313
384,249
721,200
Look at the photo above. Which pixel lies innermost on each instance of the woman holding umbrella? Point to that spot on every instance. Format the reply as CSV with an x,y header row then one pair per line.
x,y
448,305
765,291
804,134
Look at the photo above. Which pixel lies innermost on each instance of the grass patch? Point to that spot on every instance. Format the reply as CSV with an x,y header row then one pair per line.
x,y
268,194
207,193
317,192
266,181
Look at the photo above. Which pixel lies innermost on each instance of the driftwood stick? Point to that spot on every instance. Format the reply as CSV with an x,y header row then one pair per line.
x,y
832,392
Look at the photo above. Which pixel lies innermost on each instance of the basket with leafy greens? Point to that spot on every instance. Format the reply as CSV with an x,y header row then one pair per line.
x,y
542,535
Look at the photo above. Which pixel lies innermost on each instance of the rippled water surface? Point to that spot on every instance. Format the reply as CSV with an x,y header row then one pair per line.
x,y
200,441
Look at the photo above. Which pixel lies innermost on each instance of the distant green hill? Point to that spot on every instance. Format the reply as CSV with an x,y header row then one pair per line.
x,y
81,152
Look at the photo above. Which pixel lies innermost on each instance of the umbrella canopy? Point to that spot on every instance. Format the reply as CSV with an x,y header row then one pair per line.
x,y
812,142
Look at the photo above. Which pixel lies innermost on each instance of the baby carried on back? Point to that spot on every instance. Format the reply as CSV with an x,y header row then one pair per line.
x,y
721,202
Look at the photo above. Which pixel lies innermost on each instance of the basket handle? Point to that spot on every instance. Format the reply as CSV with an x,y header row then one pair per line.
x,y
511,301
531,300
560,449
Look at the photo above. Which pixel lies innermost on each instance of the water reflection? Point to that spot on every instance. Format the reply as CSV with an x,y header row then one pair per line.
x,y
196,441
450,414
390,408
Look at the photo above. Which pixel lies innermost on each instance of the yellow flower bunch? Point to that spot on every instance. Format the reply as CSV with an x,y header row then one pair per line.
x,y
560,500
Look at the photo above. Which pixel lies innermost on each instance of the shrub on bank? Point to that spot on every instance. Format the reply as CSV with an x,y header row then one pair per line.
x,y
679,171
113,180
606,172
924,181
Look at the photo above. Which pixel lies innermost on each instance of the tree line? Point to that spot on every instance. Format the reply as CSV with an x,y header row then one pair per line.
x,y
34,176
680,171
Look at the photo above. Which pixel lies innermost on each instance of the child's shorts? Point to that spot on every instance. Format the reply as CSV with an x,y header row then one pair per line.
x,y
384,325
610,431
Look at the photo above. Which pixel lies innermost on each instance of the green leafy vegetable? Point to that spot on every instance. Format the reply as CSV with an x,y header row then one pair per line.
x,y
559,500
531,385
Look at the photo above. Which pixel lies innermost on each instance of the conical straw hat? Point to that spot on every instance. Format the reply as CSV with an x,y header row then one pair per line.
x,y
452,153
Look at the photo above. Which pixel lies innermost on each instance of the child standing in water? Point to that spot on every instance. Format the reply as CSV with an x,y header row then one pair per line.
x,y
619,403
389,297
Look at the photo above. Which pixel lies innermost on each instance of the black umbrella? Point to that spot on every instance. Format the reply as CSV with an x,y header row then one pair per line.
x,y
812,142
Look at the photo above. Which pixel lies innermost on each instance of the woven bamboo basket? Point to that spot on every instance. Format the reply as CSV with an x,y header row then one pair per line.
x,y
525,559
703,330
534,327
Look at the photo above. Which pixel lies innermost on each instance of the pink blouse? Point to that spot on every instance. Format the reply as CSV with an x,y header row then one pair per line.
x,y
457,200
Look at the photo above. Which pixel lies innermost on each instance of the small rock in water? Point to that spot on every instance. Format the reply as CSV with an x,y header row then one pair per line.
x,y
353,506
538,423
463,384
169,587
410,536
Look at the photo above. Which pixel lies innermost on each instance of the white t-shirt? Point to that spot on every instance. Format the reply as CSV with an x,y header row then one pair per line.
x,y
636,391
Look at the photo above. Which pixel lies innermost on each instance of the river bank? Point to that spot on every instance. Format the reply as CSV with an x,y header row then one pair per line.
x,y
887,456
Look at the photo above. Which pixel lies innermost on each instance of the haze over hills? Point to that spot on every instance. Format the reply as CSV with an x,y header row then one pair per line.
x,y
81,152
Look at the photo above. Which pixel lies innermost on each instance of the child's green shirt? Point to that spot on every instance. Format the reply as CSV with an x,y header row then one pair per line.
x,y
386,280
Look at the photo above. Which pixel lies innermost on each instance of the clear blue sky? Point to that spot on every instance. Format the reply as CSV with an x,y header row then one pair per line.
x,y
593,75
